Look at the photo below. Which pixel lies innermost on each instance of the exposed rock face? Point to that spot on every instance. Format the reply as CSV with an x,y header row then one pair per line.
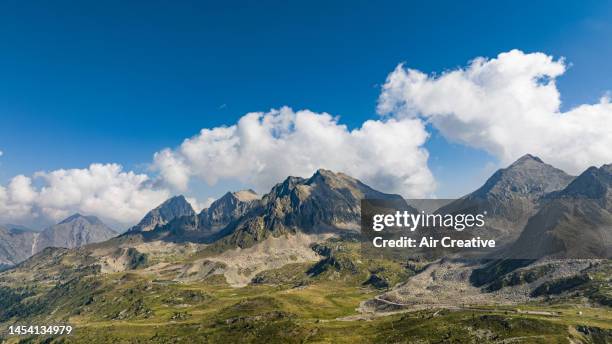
x,y
325,202
210,221
75,231
169,210
15,244
325,199
575,222
228,208
512,195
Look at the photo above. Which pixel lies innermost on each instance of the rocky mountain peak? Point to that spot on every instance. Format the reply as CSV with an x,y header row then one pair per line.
x,y
229,207
325,199
528,176
592,183
172,208
175,201
286,187
527,159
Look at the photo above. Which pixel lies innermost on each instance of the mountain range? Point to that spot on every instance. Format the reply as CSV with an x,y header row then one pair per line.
x,y
252,267
325,202
529,199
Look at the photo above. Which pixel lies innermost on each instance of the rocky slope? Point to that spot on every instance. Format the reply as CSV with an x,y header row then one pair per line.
x,y
327,202
575,222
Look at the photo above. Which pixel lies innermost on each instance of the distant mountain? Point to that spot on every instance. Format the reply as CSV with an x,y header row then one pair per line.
x,y
169,210
17,228
15,244
18,243
512,195
575,222
77,230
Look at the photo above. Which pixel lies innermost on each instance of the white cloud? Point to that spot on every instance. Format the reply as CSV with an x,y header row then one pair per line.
x,y
264,148
508,106
104,190
260,150
197,205
16,198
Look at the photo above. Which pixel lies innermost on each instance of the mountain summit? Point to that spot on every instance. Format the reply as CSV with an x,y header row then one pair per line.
x,y
529,176
228,208
172,208
324,199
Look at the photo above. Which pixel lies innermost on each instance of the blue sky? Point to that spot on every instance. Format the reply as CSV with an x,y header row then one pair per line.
x,y
84,82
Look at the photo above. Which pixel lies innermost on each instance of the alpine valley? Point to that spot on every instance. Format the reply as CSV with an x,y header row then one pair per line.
x,y
287,267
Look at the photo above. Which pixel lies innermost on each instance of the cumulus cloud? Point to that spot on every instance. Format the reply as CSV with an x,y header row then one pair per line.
x,y
260,150
16,198
264,148
199,206
104,190
508,106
